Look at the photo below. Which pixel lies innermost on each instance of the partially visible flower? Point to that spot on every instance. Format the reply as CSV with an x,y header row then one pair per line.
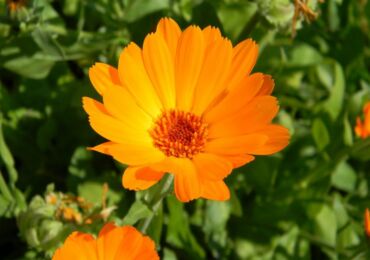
x,y
14,5
185,104
362,128
367,222
113,243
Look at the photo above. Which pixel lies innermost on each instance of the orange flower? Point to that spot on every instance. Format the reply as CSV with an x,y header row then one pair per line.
x,y
113,243
15,5
367,222
186,104
362,129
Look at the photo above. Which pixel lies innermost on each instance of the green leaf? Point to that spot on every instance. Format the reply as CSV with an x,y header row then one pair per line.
x,y
348,132
320,134
326,225
29,66
303,55
137,211
179,233
344,177
235,16
334,103
7,157
136,9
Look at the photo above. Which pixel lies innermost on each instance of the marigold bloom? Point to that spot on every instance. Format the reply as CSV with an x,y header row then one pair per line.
x,y
186,104
367,222
362,129
113,243
14,5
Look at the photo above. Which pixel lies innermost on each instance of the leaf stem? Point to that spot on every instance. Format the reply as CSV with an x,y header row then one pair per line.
x,y
156,201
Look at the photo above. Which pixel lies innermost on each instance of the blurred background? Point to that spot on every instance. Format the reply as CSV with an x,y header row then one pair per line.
x,y
306,202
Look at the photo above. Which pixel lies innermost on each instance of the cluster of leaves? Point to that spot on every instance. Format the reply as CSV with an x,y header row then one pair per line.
x,y
306,202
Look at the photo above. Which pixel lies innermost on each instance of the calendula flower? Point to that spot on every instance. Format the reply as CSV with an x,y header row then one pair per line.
x,y
14,5
113,243
367,222
362,128
186,104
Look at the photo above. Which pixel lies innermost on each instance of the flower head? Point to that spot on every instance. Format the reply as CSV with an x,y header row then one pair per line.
x,y
14,5
362,128
367,222
112,243
186,104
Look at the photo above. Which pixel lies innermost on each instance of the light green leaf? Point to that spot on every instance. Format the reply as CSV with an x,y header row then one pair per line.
x,y
344,177
137,211
29,67
320,134
334,103
137,9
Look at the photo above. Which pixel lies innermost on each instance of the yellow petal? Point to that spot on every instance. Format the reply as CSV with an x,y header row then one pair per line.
x,y
160,68
188,64
244,58
215,190
170,32
215,69
110,127
102,75
140,178
122,106
134,77
212,167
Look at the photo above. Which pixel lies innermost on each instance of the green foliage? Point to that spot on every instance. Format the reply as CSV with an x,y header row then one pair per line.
x,y
306,202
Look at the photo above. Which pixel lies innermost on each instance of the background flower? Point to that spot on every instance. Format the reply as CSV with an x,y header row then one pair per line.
x,y
112,243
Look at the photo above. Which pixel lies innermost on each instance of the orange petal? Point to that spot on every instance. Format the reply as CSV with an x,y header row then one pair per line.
x,y
215,190
140,178
170,32
109,240
267,87
236,144
239,160
187,180
237,98
135,246
278,138
256,114
367,119
131,154
211,34
215,69
244,58
160,68
121,105
188,64
102,75
135,78
110,127
212,167
367,222
77,246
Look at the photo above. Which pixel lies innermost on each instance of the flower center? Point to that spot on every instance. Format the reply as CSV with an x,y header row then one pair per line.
x,y
179,134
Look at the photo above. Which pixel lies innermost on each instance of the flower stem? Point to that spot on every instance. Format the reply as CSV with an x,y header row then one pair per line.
x,y
155,201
